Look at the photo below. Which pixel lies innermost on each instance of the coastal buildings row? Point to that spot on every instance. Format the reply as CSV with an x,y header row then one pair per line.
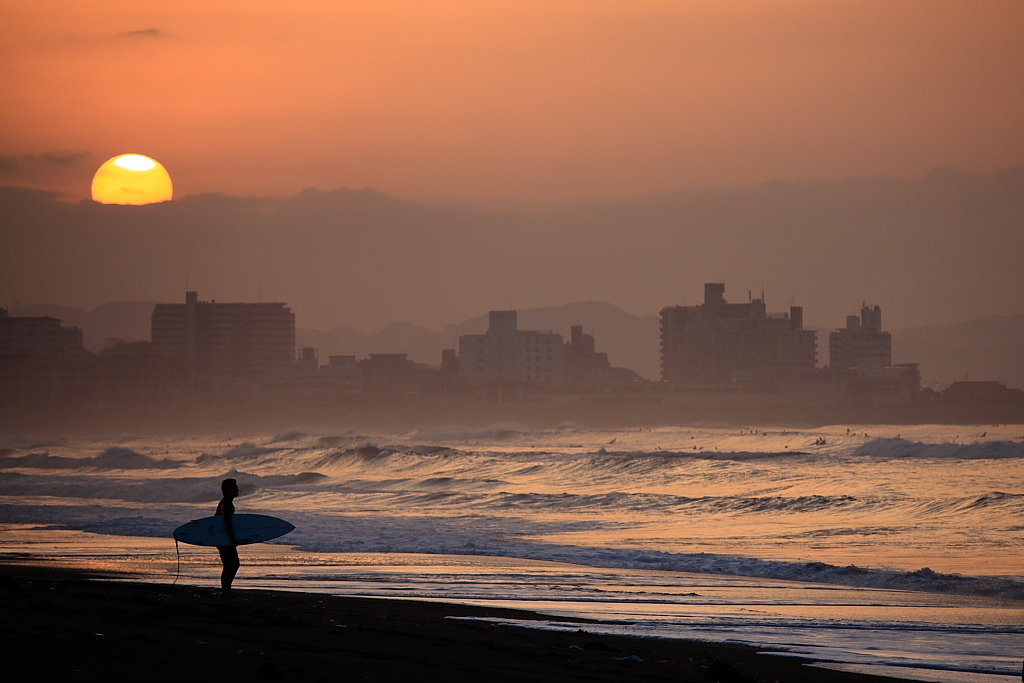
x,y
713,354
196,346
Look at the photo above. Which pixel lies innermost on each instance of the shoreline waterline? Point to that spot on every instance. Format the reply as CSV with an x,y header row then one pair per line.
x,y
112,629
825,623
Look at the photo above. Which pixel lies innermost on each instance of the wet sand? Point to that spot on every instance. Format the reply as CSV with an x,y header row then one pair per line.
x,y
59,622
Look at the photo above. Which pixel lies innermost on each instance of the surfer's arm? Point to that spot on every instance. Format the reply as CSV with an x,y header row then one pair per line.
x,y
229,522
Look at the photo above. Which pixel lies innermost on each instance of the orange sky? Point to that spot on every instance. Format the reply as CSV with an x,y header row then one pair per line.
x,y
479,101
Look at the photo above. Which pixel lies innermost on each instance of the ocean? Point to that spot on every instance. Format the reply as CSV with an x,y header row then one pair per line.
x,y
888,549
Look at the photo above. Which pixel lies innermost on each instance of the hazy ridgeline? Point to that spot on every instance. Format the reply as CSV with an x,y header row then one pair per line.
x,y
934,253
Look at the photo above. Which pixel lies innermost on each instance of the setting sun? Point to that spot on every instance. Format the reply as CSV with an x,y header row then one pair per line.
x,y
131,179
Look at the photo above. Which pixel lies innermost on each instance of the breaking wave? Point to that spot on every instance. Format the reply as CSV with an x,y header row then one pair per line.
x,y
504,491
902,448
113,458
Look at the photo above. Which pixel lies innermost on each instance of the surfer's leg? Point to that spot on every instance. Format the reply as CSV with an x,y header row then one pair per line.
x,y
229,558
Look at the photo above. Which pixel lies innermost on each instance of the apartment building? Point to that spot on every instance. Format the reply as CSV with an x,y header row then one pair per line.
x,y
506,354
862,344
230,340
719,342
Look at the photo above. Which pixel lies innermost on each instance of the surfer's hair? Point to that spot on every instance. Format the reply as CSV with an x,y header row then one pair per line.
x,y
228,484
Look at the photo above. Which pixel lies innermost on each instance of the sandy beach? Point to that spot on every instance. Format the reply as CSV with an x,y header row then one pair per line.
x,y
58,622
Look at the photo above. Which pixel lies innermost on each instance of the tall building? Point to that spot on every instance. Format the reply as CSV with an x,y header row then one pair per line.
x,y
233,340
861,344
507,354
719,342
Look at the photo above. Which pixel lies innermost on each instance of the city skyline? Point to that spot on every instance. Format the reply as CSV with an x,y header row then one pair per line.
x,y
982,349
717,358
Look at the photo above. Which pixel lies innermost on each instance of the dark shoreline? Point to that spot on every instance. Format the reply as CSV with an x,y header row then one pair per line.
x,y
60,622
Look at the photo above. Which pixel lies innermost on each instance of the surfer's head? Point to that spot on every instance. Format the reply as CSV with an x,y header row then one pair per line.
x,y
229,487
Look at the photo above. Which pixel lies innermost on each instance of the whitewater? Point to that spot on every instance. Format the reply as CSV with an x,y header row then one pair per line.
x,y
890,549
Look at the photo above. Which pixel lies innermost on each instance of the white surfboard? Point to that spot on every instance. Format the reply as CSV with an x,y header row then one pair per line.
x,y
248,529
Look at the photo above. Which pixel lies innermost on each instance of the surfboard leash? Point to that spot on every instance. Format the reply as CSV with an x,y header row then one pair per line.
x,y
177,551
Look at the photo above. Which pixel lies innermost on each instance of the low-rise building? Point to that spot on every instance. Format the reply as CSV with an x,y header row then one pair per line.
x,y
37,335
982,393
344,372
389,374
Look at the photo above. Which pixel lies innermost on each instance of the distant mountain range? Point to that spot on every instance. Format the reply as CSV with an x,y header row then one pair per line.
x,y
989,348
924,249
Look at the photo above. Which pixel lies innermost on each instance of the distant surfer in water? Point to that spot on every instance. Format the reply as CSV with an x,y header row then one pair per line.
x,y
228,553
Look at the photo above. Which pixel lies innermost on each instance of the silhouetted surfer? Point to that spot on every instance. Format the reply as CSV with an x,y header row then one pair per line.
x,y
228,553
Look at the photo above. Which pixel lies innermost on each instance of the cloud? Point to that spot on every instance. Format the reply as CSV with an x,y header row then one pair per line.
x,y
46,166
51,171
64,158
141,34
